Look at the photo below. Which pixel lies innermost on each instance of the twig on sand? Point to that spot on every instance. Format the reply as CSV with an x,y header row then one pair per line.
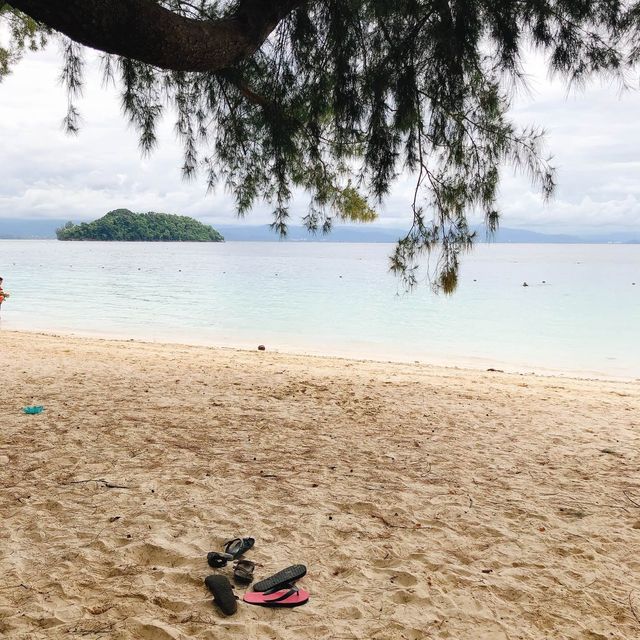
x,y
633,611
106,483
100,632
631,500
23,586
15,586
395,526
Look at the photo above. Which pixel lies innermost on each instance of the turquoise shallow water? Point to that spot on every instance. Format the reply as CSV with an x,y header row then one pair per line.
x,y
339,299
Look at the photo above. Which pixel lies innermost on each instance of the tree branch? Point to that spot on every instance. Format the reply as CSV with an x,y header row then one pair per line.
x,y
143,30
247,91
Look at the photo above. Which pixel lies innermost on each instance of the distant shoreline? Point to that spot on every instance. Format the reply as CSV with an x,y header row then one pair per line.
x,y
326,241
45,230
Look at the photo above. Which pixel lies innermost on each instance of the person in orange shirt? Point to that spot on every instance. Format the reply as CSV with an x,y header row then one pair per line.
x,y
3,294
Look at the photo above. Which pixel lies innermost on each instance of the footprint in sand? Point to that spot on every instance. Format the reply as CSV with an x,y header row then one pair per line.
x,y
47,622
395,630
179,577
361,508
349,613
402,578
424,558
143,630
147,554
177,606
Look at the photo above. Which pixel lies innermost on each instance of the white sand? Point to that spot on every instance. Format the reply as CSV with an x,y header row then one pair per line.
x,y
426,502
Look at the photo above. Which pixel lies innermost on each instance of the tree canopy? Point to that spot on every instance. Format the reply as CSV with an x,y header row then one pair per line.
x,y
338,97
124,225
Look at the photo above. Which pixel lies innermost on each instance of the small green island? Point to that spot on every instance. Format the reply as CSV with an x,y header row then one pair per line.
x,y
124,225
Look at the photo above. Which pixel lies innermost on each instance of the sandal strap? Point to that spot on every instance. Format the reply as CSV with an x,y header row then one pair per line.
x,y
280,587
229,543
287,594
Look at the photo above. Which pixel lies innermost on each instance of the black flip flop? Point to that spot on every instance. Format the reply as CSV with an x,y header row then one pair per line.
x,y
282,579
237,547
218,560
223,594
243,571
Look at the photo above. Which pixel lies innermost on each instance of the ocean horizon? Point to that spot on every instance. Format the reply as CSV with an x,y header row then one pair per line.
x,y
579,314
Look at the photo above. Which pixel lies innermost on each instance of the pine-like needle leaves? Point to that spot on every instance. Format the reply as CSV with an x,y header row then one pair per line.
x,y
347,94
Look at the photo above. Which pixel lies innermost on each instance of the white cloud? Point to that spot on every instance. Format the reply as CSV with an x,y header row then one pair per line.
x,y
594,136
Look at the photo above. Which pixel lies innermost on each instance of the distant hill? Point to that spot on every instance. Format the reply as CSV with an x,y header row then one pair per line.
x,y
342,233
368,233
20,228
527,237
124,225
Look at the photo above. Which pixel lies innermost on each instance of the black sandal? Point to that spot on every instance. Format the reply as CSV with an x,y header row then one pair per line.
x,y
233,549
243,571
282,579
237,547
223,594
218,560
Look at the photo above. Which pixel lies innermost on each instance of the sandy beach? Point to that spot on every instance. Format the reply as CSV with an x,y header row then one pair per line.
x,y
426,502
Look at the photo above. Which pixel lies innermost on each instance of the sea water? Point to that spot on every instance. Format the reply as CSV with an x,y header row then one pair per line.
x,y
579,314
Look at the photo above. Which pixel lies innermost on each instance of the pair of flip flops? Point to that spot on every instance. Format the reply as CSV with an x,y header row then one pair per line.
x,y
283,593
279,590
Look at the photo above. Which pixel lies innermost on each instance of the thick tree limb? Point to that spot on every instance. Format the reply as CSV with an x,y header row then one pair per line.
x,y
145,31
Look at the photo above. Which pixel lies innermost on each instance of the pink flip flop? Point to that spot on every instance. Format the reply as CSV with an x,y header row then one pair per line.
x,y
290,596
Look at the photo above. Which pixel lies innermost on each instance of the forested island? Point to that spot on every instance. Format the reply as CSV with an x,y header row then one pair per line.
x,y
124,225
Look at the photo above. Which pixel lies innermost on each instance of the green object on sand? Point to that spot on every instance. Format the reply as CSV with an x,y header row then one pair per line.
x,y
33,410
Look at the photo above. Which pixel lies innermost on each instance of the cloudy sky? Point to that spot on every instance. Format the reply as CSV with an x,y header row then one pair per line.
x,y
593,134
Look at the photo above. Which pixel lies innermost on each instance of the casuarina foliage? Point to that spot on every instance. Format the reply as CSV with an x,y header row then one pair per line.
x,y
338,97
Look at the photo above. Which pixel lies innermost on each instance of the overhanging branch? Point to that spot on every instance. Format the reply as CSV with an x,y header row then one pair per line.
x,y
246,91
143,30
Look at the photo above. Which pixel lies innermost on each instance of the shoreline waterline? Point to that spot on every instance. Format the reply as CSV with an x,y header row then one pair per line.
x,y
463,365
